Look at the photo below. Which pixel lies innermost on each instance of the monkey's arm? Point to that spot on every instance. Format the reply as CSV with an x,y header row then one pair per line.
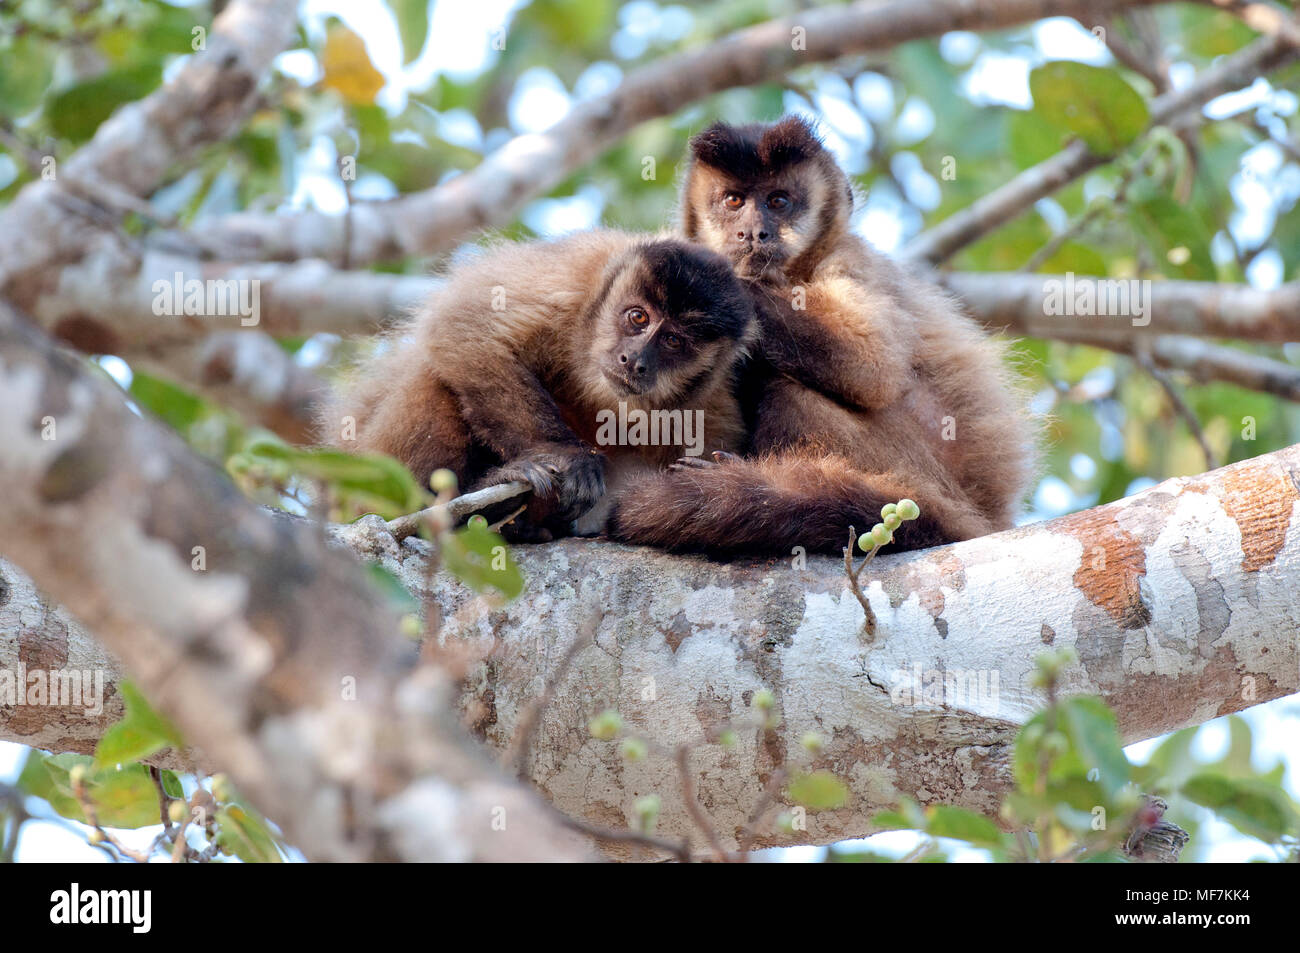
x,y
845,341
507,408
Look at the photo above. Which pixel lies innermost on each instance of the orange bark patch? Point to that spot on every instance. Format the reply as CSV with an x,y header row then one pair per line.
x,y
1112,563
1259,500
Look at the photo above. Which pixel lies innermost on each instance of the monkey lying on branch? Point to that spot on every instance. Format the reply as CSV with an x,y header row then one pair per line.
x,y
869,384
527,364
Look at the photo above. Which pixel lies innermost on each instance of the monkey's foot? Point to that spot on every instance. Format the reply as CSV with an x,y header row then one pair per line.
x,y
720,458
567,480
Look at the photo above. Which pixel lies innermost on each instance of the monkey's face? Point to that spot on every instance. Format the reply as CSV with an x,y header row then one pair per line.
x,y
673,316
759,226
647,349
763,195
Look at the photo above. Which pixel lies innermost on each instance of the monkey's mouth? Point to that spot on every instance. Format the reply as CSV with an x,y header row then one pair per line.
x,y
757,262
627,384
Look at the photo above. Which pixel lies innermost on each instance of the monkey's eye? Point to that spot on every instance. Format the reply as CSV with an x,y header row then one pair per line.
x,y
637,317
733,200
778,201
672,342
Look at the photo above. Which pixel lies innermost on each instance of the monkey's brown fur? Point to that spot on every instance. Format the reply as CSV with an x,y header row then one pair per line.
x,y
852,390
509,362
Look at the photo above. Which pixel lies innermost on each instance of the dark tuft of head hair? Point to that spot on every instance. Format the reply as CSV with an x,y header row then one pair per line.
x,y
758,150
687,278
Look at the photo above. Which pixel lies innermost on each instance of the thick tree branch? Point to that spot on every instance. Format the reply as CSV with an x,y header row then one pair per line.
x,y
1182,603
1020,303
249,373
986,213
269,650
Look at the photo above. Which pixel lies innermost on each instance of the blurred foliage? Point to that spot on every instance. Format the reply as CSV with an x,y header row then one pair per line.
x,y
65,67
1077,797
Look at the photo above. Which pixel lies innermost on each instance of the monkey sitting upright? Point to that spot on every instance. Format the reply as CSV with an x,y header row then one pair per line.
x,y
871,386
513,360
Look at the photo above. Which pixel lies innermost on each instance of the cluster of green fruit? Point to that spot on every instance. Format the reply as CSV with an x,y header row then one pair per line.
x,y
893,515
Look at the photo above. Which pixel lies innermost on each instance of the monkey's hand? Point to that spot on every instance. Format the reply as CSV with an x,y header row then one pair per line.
x,y
567,480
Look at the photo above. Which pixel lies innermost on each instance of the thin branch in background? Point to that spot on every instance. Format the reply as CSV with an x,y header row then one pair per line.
x,y
700,819
1090,215
1263,18
1143,357
1204,361
679,849
1149,62
531,720
765,802
1005,203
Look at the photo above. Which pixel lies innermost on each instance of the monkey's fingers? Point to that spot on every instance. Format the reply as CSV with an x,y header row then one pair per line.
x,y
723,456
692,463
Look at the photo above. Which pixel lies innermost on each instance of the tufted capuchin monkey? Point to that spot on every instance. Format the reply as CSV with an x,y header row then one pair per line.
x,y
869,385
532,361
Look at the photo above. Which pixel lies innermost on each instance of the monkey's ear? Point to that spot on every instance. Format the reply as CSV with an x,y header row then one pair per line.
x,y
792,140
715,145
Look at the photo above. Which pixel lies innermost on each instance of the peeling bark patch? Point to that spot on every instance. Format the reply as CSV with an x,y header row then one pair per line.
x,y
1212,610
1110,568
87,334
1141,700
1260,501
928,580
677,631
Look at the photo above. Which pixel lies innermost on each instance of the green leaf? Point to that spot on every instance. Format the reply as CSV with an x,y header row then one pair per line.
x,y
1092,743
369,482
123,797
392,587
1253,806
818,790
26,67
413,25
943,820
140,733
245,834
76,112
1097,105
1033,137
479,558
1094,735
1176,236
175,406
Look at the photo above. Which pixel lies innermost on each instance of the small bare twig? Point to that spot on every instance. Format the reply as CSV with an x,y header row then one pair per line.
x,y
765,802
679,849
1143,356
532,717
693,808
870,624
459,508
